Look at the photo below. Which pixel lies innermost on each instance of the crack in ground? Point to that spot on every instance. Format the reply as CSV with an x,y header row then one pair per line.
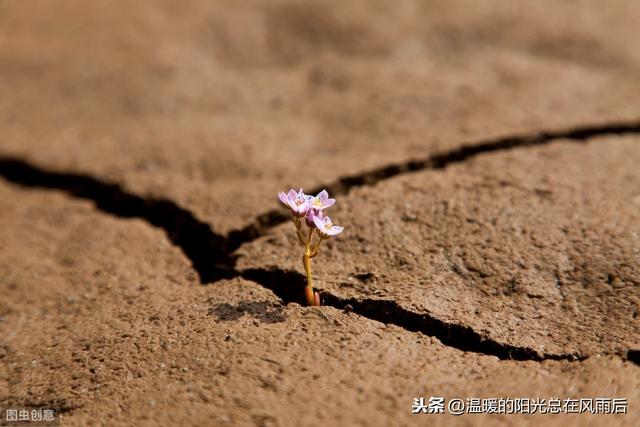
x,y
633,356
208,251
286,285
212,255
343,185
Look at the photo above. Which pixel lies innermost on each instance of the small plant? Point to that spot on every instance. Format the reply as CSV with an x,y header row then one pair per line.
x,y
309,210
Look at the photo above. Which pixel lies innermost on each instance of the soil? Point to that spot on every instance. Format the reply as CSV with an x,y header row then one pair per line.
x,y
484,158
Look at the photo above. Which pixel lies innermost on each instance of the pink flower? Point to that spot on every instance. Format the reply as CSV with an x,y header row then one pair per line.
x,y
311,209
309,217
325,227
298,202
320,201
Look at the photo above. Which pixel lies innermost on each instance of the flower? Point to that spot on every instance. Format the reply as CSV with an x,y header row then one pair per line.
x,y
320,201
298,202
311,208
325,227
309,217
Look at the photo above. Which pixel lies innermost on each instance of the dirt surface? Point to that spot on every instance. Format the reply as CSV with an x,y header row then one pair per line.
x,y
536,248
105,319
217,105
484,157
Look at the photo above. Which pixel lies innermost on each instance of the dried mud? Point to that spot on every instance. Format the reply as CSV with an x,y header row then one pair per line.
x,y
485,162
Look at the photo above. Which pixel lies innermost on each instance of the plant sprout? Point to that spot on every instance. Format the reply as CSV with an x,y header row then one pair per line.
x,y
309,210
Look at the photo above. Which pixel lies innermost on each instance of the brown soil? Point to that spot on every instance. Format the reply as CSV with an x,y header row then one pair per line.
x,y
485,160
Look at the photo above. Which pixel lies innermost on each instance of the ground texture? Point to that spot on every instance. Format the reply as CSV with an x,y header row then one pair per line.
x,y
485,160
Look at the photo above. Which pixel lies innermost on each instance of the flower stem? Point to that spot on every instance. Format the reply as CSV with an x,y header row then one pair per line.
x,y
306,260
316,249
299,232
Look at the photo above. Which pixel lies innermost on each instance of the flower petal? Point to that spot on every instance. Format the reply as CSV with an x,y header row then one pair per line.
x,y
318,222
323,195
283,198
336,229
311,214
329,202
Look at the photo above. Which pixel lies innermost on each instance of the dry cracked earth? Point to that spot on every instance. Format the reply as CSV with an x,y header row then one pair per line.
x,y
485,160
